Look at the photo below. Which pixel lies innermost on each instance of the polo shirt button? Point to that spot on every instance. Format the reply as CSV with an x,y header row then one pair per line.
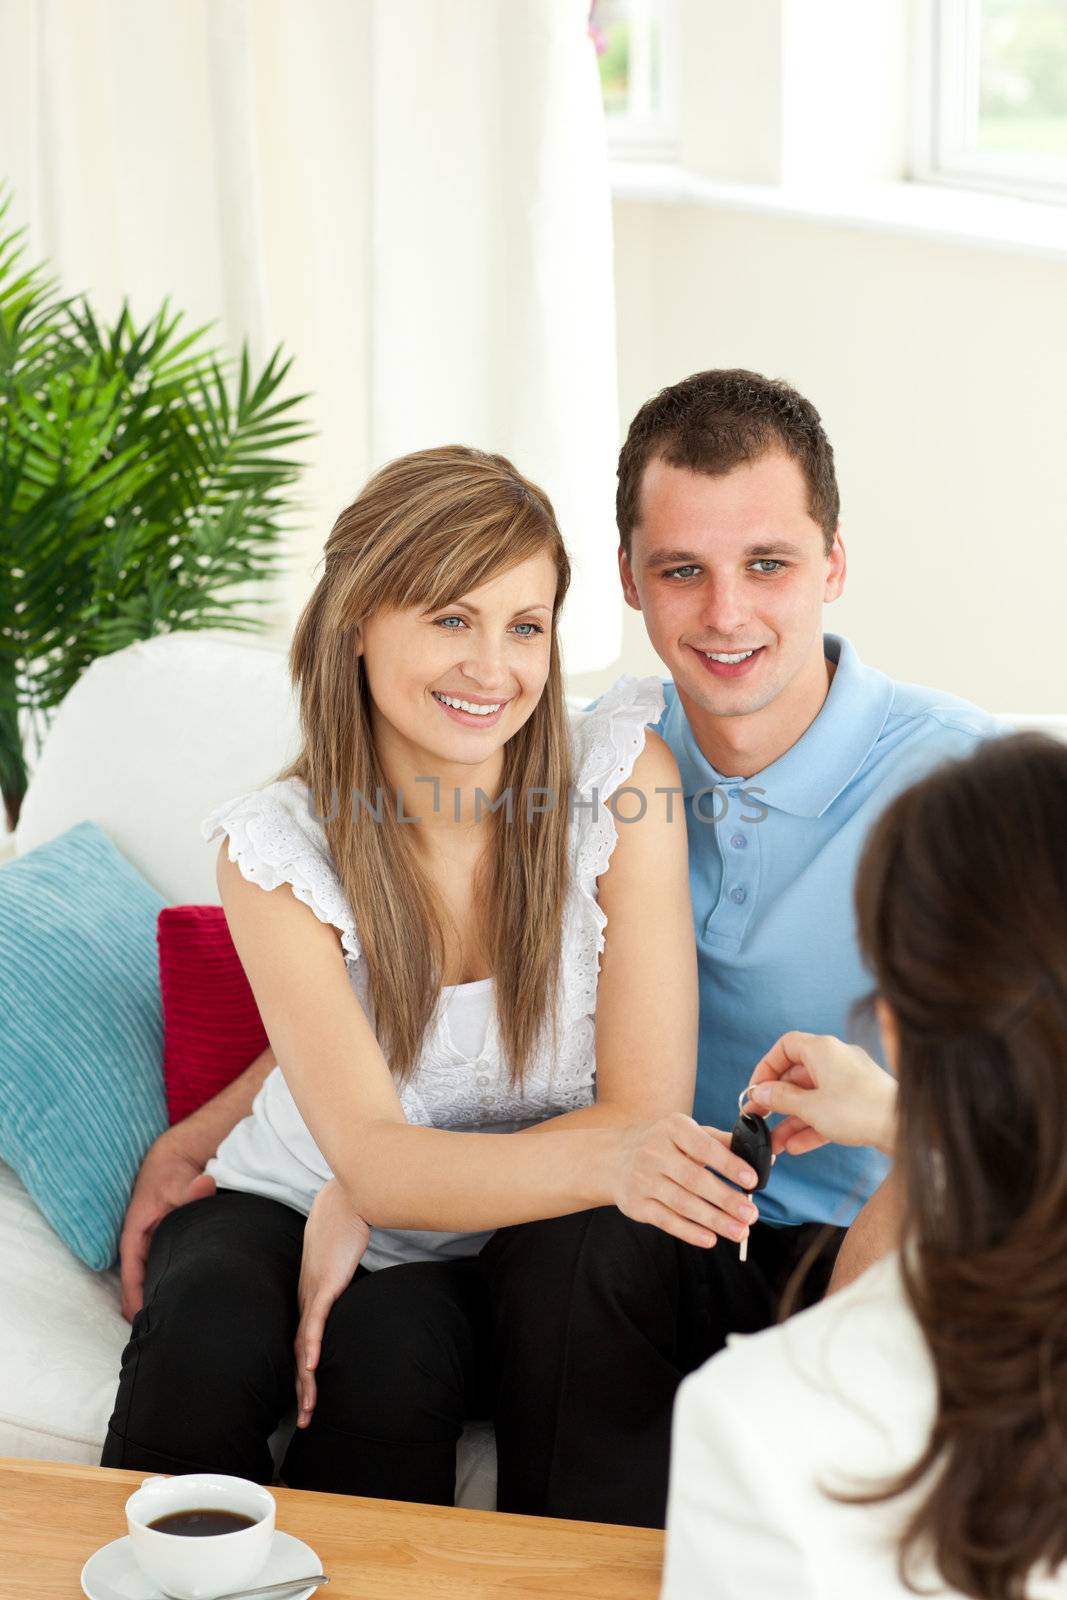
x,y
738,896
739,841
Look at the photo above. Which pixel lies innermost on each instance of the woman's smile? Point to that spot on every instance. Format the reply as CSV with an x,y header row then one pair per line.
x,y
470,713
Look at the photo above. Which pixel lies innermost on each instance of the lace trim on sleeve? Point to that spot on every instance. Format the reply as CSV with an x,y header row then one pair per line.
x,y
607,742
609,738
272,845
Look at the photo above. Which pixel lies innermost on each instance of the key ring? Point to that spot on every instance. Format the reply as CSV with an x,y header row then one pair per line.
x,y
742,1097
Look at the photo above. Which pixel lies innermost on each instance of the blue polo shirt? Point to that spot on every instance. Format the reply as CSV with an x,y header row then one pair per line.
x,y
772,860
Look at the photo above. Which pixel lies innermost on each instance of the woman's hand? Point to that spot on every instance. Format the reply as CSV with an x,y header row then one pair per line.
x,y
659,1174
334,1240
830,1092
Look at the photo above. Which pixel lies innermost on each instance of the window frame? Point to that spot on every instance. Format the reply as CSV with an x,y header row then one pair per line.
x,y
946,109
642,135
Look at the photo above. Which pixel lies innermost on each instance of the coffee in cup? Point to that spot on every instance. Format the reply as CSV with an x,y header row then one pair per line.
x,y
201,1534
202,1520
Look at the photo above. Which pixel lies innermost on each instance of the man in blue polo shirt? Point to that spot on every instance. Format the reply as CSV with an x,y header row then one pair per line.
x,y
788,745
788,749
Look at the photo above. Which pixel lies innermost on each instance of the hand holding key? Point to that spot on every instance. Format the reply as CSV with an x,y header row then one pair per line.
x,y
680,1176
828,1091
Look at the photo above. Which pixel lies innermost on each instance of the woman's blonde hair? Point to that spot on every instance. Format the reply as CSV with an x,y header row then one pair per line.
x,y
425,530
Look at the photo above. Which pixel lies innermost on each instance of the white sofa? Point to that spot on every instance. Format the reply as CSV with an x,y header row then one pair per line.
x,y
148,741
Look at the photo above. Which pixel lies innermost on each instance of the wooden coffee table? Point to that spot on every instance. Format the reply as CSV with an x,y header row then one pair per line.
x,y
53,1516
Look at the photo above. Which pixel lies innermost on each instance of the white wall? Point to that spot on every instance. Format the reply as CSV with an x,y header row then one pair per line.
x,y
939,369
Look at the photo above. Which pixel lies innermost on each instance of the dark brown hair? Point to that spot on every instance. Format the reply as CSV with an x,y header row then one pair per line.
x,y
962,904
718,420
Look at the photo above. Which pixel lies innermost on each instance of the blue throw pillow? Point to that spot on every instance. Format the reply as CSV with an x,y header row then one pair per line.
x,y
81,1033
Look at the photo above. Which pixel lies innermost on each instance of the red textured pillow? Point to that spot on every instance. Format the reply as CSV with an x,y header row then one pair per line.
x,y
211,1023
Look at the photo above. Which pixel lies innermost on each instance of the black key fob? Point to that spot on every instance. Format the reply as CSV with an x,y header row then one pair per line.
x,y
751,1140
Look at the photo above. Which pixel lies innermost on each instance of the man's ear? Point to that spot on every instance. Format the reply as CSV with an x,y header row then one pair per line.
x,y
629,588
836,568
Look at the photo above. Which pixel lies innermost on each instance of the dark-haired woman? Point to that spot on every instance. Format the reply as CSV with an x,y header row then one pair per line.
x,y
910,1432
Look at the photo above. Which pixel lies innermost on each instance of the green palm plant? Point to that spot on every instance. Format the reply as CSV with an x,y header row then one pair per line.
x,y
141,477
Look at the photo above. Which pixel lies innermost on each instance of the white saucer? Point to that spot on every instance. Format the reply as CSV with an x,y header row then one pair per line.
x,y
113,1574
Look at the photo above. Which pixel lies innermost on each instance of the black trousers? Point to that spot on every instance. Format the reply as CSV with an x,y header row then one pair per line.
x,y
572,1334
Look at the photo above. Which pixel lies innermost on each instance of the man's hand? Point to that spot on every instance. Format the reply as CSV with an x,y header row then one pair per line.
x,y
660,1175
172,1172
167,1179
335,1238
830,1092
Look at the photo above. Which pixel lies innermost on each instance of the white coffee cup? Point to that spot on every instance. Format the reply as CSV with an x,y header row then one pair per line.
x,y
199,1567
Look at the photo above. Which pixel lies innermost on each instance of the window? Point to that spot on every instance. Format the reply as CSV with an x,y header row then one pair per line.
x,y
637,44
997,113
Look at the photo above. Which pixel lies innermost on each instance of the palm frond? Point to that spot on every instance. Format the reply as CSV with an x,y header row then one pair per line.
x,y
144,476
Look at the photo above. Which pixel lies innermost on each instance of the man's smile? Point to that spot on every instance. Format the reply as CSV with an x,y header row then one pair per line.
x,y
728,663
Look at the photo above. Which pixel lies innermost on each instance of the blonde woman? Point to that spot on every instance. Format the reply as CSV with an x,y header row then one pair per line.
x,y
483,1037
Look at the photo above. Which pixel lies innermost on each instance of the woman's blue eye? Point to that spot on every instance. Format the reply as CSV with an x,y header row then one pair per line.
x,y
443,622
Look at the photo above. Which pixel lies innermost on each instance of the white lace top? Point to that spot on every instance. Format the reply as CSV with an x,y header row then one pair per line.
x,y
458,1083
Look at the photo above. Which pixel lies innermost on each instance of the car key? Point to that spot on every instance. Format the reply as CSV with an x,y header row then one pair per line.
x,y
751,1140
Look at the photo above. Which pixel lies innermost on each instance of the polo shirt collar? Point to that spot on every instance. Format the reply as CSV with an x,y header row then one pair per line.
x,y
808,778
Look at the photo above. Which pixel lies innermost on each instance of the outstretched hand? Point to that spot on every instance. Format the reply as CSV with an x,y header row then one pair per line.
x,y
335,1237
828,1091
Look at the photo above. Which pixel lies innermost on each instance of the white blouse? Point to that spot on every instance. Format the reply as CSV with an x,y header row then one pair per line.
x,y
461,1079
842,1395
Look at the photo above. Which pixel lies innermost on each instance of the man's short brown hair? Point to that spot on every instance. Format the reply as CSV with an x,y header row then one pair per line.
x,y
715,421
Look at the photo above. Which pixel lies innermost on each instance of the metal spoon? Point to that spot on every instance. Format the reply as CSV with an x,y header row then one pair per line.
x,y
273,1588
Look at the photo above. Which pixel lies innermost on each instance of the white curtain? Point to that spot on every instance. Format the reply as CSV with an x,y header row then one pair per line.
x,y
411,195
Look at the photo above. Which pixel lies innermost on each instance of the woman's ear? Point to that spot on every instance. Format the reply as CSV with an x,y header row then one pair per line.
x,y
357,638
887,1023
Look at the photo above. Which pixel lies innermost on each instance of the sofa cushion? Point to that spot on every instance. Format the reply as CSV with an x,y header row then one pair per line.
x,y
211,1023
81,1033
150,738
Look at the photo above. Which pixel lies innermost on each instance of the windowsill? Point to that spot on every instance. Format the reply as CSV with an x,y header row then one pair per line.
x,y
924,210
